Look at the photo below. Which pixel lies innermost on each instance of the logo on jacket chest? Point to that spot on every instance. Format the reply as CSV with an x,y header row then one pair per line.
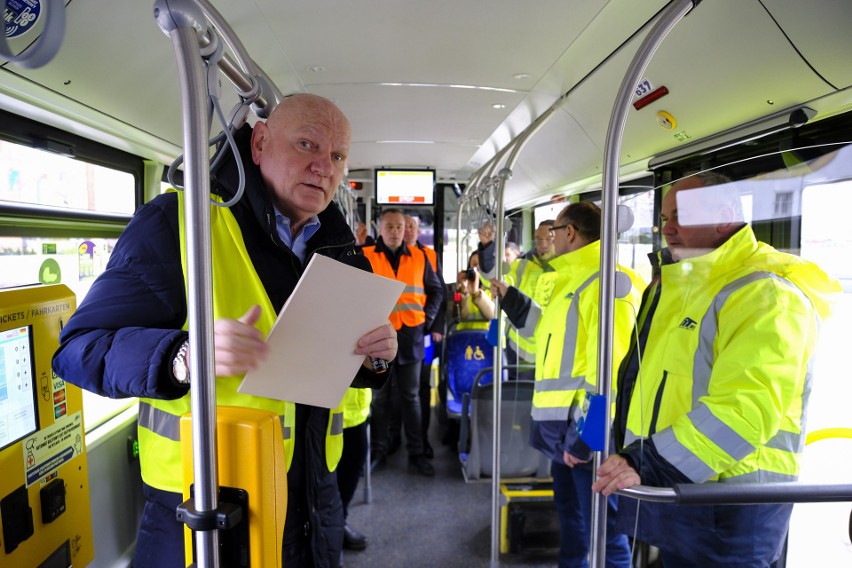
x,y
688,323
543,292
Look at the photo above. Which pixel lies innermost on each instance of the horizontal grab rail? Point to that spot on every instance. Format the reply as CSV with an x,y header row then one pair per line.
x,y
740,493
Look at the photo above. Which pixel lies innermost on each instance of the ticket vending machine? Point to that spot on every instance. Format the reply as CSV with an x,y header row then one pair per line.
x,y
44,485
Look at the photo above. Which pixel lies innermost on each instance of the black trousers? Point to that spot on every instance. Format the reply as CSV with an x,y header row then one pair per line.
x,y
351,462
403,385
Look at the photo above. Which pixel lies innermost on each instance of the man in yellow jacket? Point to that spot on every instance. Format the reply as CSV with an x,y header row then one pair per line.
x,y
727,333
524,275
564,323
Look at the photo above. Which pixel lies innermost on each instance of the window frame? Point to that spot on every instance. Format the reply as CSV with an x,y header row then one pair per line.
x,y
25,220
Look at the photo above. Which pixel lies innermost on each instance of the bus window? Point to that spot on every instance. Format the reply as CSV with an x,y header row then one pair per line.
x,y
75,262
59,221
637,242
827,241
38,178
548,211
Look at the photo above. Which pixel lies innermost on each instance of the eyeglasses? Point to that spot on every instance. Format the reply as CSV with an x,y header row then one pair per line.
x,y
665,219
555,228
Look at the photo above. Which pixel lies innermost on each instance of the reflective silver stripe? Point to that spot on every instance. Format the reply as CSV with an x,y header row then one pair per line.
x,y
524,354
720,433
681,457
704,421
630,437
760,476
167,425
336,423
528,329
787,441
703,363
806,393
159,421
286,432
796,442
414,290
572,322
550,413
408,308
560,384
522,265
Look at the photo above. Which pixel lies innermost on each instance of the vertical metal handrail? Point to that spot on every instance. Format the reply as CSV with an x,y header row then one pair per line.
x,y
666,20
500,181
497,377
182,21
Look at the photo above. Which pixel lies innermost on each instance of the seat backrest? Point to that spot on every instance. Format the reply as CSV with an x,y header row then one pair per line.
x,y
517,457
467,352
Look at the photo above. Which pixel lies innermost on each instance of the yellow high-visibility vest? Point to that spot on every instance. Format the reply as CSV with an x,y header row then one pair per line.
x,y
236,287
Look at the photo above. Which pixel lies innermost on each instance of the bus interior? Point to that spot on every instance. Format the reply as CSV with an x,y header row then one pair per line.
x,y
510,109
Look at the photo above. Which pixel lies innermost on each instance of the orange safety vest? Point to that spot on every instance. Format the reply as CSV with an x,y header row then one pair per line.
x,y
412,268
432,256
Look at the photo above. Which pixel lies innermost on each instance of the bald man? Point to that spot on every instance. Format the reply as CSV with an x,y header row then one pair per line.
x,y
128,338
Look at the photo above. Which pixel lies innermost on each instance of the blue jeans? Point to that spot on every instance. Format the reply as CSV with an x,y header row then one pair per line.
x,y
670,560
572,494
159,541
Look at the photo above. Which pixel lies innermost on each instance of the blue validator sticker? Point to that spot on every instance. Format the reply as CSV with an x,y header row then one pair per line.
x,y
591,425
20,16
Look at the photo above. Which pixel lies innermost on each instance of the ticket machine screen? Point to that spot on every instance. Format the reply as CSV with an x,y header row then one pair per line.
x,y
18,408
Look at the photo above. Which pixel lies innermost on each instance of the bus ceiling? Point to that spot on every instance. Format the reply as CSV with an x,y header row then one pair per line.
x,y
450,95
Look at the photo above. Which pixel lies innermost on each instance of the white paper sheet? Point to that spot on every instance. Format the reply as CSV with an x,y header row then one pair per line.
x,y
312,356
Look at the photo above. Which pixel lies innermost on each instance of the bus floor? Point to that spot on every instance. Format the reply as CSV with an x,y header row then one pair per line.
x,y
424,522
420,522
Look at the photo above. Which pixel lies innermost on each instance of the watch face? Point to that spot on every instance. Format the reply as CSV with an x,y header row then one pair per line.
x,y
180,371
179,367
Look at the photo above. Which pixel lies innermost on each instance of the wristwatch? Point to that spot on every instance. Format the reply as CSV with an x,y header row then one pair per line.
x,y
180,368
379,365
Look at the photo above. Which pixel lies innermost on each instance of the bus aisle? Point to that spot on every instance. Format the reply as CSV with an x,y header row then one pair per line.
x,y
418,522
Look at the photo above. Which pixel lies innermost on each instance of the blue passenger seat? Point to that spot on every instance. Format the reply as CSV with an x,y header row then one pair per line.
x,y
467,352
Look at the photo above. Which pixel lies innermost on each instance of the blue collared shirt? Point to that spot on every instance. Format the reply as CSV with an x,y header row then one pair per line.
x,y
298,245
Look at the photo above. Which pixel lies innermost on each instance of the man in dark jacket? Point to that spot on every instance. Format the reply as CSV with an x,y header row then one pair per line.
x,y
415,311
435,334
126,338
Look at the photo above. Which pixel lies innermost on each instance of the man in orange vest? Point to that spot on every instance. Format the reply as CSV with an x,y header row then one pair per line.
x,y
436,334
415,312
